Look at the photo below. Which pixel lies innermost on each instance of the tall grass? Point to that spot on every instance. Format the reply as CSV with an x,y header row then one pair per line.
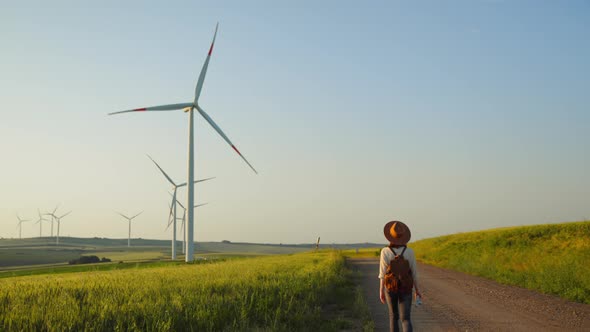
x,y
264,293
553,259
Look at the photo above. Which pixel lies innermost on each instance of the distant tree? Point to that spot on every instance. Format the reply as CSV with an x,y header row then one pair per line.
x,y
88,260
225,241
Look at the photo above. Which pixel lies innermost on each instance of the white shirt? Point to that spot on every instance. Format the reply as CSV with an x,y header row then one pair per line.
x,y
387,256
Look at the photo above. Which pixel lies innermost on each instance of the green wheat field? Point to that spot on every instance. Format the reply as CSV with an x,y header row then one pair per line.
x,y
261,293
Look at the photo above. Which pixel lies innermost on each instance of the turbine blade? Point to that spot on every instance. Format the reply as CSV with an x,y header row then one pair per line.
x,y
197,181
182,206
137,215
54,210
169,223
161,170
177,201
198,205
170,107
204,69
122,215
172,204
220,132
63,215
207,179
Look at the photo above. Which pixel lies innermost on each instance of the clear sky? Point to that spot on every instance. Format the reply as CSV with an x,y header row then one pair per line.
x,y
449,115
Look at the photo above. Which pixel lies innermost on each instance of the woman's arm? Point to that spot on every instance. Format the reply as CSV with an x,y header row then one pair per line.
x,y
382,267
382,290
414,267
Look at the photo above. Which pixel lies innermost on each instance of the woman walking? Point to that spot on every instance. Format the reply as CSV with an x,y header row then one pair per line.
x,y
398,275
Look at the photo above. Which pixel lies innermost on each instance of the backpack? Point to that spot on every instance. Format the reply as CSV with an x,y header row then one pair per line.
x,y
398,277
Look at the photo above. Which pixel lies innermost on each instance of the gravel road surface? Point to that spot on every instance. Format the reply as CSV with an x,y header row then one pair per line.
x,y
454,301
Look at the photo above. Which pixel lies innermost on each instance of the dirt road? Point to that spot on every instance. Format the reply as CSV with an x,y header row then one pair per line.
x,y
454,301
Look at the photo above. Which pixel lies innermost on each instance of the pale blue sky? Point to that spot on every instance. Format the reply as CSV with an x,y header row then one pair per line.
x,y
449,115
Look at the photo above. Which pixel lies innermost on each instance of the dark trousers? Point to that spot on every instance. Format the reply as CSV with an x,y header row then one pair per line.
x,y
400,307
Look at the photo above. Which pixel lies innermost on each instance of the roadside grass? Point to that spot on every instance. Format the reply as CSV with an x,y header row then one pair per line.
x,y
298,292
553,259
363,253
345,309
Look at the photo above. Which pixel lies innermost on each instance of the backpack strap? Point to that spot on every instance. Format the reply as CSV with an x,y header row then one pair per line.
x,y
396,255
402,254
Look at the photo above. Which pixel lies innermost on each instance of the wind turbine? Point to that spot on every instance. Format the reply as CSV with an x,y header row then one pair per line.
x,y
173,204
20,225
190,107
58,219
53,217
183,223
52,214
129,219
40,223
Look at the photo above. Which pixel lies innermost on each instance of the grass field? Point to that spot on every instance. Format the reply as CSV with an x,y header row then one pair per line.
x,y
284,292
553,259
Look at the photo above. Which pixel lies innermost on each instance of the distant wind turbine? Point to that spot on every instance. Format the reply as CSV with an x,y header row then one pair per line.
x,y
129,219
20,225
58,219
40,222
52,214
190,107
182,225
173,204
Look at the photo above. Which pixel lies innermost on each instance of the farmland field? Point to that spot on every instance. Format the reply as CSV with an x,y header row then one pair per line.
x,y
34,252
283,292
43,251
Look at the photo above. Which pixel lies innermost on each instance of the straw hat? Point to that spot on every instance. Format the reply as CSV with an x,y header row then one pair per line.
x,y
397,233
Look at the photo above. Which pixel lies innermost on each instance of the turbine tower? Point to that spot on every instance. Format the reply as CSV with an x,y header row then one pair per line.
x,y
190,107
40,222
129,219
52,214
20,225
173,204
58,219
182,225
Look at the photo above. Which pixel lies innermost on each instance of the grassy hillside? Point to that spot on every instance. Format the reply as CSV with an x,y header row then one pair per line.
x,y
262,293
553,259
